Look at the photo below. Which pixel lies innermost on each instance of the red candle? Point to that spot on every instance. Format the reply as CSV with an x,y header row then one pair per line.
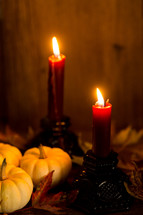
x,y
56,83
101,127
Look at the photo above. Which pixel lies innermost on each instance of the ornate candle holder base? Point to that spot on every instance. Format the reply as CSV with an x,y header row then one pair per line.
x,y
101,186
57,134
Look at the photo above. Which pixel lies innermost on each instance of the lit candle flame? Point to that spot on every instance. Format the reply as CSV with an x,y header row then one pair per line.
x,y
100,98
56,50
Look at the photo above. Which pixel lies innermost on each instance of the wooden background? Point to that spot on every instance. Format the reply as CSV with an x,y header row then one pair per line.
x,y
102,41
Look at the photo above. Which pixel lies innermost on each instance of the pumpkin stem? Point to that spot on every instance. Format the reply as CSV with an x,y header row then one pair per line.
x,y
42,152
3,170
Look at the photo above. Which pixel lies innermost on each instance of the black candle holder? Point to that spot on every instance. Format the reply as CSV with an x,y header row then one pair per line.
x,y
101,186
55,133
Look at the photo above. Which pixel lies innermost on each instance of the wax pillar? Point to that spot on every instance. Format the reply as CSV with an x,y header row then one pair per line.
x,y
101,129
56,86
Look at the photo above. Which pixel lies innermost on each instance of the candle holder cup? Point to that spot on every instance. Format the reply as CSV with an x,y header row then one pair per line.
x,y
101,185
57,134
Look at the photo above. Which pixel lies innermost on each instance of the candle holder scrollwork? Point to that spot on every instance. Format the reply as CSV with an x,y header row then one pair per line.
x,y
101,185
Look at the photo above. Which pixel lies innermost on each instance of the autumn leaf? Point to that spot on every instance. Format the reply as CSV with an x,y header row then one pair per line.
x,y
60,199
42,189
135,189
57,203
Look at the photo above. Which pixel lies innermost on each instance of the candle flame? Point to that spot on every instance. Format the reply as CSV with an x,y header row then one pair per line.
x,y
100,98
56,50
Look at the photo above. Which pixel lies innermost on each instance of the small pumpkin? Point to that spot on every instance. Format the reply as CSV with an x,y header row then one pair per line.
x,y
11,153
15,188
38,162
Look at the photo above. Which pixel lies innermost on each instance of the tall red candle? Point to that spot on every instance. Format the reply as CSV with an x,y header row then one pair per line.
x,y
101,127
56,83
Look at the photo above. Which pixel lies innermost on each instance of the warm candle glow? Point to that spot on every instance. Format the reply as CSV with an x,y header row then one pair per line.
x,y
55,47
100,98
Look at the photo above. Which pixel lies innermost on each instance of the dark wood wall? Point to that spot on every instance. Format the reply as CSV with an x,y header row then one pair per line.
x,y
102,41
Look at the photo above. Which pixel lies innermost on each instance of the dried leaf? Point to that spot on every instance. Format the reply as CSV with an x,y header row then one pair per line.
x,y
56,203
48,202
122,137
61,199
42,189
136,187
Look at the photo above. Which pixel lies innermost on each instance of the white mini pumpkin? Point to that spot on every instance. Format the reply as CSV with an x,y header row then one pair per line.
x,y
38,162
11,153
15,188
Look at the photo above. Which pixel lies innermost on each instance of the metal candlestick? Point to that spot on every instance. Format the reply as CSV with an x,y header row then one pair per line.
x,y
101,185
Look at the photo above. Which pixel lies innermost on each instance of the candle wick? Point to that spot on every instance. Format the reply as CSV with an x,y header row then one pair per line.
x,y
58,56
107,101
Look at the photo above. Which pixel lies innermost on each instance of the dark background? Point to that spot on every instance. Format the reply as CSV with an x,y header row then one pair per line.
x,y
102,41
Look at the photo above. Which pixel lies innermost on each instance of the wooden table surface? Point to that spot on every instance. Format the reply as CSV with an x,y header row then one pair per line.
x,y
136,209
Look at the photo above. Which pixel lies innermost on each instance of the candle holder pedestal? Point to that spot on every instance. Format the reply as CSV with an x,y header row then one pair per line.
x,y
57,134
101,186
